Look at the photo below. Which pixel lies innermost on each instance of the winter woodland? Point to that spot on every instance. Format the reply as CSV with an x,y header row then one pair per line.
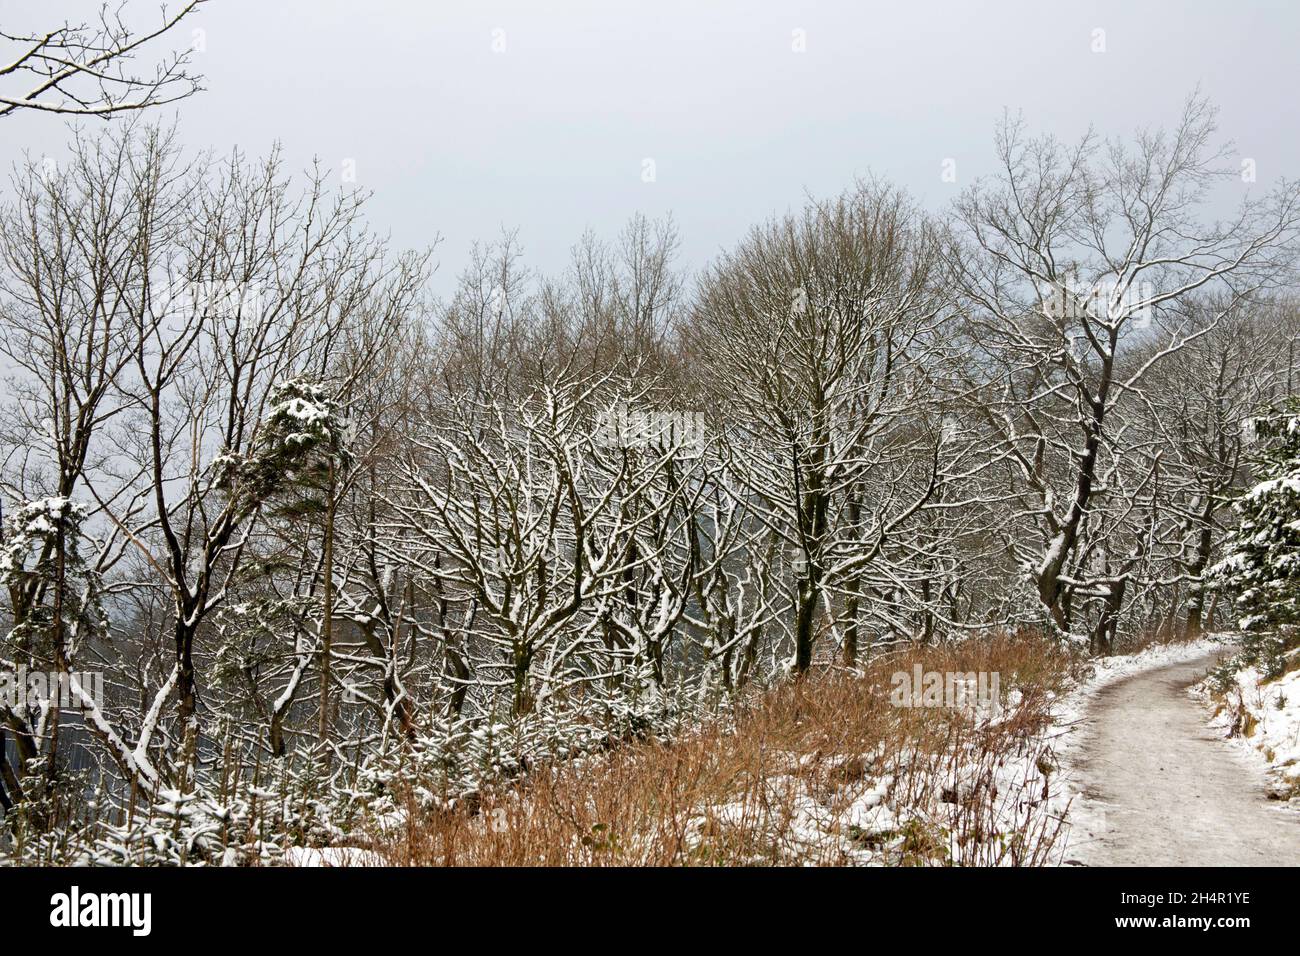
x,y
321,530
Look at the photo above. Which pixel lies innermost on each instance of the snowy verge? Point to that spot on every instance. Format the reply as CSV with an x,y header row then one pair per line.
x,y
1262,716
965,808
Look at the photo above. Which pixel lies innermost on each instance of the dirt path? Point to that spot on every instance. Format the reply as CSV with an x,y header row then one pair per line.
x,y
1161,789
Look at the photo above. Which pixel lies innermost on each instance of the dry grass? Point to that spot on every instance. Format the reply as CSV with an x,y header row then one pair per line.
x,y
823,771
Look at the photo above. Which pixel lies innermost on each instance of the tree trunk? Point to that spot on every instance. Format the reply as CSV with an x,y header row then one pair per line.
x,y
814,509
60,659
186,692
853,605
1050,590
1196,600
8,783
460,671
521,701
327,614
805,613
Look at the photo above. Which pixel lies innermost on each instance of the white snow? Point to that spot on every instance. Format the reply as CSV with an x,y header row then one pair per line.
x,y
918,810
1264,718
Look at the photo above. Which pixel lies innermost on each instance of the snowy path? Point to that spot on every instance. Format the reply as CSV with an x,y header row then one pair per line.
x,y
1161,789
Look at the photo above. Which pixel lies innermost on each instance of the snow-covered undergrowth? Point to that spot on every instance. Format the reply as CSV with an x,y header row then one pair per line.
x,y
255,826
1256,693
823,773
1259,707
448,765
298,813
977,805
826,771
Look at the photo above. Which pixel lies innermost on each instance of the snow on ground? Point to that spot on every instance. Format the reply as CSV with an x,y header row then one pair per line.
x,y
919,807
1263,717
971,807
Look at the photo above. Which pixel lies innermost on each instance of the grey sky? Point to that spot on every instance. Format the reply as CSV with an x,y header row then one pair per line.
x,y
550,134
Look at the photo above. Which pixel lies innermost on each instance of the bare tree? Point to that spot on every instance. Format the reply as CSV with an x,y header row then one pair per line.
x,y
813,333
1199,412
1069,259
68,291
88,69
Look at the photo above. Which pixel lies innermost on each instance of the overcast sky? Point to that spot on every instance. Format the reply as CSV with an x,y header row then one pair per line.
x,y
463,117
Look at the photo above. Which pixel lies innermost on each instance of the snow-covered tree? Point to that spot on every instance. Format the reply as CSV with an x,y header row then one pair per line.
x,y
814,335
1261,567
1070,261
